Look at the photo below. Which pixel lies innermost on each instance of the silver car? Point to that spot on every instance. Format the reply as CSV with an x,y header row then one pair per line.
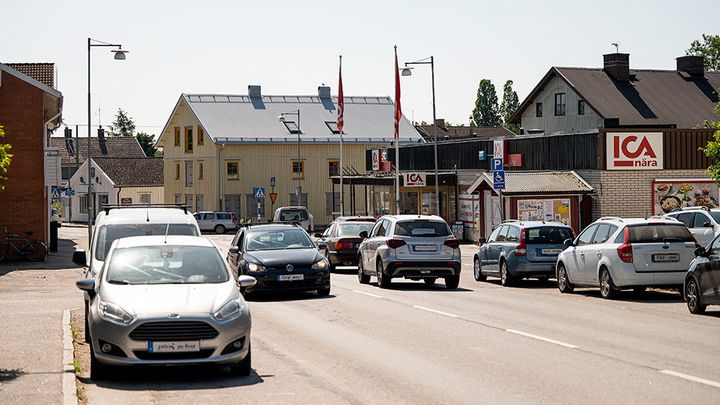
x,y
416,247
162,300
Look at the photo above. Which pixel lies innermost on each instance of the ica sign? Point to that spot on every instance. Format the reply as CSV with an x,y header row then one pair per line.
x,y
634,151
415,179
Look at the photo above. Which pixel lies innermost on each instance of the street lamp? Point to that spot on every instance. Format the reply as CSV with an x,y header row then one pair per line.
x,y
407,71
119,55
297,130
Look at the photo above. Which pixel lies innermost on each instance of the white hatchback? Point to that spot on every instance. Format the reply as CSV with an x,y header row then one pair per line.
x,y
615,253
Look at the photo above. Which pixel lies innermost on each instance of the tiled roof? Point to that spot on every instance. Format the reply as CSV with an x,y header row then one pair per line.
x,y
132,171
42,72
537,183
113,146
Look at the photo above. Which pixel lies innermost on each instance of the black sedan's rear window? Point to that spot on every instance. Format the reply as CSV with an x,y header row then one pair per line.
x,y
422,228
653,233
547,235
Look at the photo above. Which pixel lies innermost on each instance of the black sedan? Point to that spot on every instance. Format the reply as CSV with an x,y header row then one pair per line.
x,y
702,282
339,242
281,258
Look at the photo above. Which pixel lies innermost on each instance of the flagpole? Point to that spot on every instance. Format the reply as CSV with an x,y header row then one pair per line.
x,y
398,113
341,114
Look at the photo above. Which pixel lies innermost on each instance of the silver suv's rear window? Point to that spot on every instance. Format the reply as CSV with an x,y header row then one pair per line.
x,y
419,227
659,233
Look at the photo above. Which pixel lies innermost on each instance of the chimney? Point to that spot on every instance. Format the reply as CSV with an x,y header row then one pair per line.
x,y
254,91
617,66
324,91
692,65
101,141
440,122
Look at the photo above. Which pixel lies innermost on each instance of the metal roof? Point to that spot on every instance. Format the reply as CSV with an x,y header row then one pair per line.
x,y
566,182
242,119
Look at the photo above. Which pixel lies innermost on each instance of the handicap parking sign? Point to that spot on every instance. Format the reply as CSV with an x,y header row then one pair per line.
x,y
499,180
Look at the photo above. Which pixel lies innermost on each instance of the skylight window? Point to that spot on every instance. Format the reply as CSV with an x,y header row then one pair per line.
x,y
292,127
332,125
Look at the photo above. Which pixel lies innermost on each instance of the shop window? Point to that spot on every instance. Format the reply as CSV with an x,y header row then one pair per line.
x,y
188,140
200,136
232,170
298,169
333,168
177,136
559,104
538,110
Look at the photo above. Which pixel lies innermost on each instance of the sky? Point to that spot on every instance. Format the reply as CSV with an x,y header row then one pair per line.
x,y
291,47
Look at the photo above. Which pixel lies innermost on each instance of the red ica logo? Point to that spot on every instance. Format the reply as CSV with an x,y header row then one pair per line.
x,y
414,178
632,147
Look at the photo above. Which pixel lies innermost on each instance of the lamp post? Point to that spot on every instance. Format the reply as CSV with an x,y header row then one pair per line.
x,y
119,55
282,119
407,71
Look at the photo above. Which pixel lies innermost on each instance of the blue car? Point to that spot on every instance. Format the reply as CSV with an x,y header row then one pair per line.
x,y
517,250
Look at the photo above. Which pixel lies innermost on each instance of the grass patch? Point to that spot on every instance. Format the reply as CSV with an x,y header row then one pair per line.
x,y
73,331
77,366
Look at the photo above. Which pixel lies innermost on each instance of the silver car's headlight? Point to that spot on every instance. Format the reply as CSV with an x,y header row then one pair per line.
x,y
229,311
256,267
321,264
113,313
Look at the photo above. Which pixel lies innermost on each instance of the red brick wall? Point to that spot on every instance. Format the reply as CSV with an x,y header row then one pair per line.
x,y
23,204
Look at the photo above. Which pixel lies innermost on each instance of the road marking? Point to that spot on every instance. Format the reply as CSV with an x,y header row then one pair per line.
x,y
368,294
436,311
544,339
691,378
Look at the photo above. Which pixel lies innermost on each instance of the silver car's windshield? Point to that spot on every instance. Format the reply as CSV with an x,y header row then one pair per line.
x,y
166,264
278,239
109,233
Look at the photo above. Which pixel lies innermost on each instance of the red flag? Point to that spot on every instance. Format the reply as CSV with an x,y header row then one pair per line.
x,y
398,110
341,102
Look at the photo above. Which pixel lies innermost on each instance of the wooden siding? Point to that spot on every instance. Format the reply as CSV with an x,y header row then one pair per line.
x,y
156,194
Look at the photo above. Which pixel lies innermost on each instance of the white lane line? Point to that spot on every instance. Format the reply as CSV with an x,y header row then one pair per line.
x,y
691,378
368,294
435,311
544,339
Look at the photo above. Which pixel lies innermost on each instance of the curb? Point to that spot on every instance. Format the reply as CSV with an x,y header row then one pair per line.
x,y
69,382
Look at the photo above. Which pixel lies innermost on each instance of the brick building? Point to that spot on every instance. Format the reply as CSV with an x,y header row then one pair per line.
x,y
29,111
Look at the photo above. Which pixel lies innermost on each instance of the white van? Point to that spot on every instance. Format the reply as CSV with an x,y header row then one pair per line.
x,y
295,214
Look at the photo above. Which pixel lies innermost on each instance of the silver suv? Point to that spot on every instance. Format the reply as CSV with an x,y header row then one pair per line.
x,y
614,253
220,222
416,247
703,222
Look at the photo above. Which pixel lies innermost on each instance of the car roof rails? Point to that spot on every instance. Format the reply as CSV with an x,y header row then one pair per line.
x,y
611,219
663,218
108,207
694,208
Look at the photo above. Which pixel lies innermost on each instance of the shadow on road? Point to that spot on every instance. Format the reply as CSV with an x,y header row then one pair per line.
x,y
524,283
649,296
10,374
176,378
62,259
278,296
410,285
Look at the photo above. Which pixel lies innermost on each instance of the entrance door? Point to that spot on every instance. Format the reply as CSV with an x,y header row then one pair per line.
x,y
493,213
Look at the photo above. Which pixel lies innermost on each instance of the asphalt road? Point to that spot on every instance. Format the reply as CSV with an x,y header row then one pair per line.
x,y
482,343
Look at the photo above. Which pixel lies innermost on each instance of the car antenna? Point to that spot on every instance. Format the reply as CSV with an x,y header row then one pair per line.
x,y
147,215
167,230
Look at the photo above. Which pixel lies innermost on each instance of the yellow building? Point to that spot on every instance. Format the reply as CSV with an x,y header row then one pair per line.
x,y
219,149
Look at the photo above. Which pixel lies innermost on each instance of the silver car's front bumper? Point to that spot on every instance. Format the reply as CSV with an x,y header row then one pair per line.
x,y
128,351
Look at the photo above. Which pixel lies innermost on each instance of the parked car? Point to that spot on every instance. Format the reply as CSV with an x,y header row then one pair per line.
x,y
219,222
167,300
702,281
416,247
115,222
703,223
295,214
340,241
520,249
281,257
614,253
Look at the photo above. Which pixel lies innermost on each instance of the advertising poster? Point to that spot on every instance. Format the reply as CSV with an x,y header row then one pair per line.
x,y
544,210
672,194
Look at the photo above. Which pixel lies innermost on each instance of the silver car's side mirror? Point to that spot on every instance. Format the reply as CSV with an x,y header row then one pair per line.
x,y
87,284
246,281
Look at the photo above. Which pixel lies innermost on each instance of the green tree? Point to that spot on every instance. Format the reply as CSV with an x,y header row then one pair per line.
x,y
5,158
147,142
508,106
709,49
712,150
123,124
485,113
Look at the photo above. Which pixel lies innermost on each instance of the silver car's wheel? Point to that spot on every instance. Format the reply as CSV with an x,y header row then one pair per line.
x,y
564,284
383,280
692,298
607,287
219,229
477,271
362,277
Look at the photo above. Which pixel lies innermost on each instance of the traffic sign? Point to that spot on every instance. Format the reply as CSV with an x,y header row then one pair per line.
x,y
497,164
272,181
273,197
482,155
55,193
499,180
259,192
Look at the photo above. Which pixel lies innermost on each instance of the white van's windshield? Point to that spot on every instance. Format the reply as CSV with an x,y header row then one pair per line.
x,y
109,233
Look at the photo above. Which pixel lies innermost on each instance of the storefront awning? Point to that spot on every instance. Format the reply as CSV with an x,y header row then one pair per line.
x,y
565,182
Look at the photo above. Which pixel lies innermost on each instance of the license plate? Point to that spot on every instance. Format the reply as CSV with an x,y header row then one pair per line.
x,y
666,258
290,277
551,251
173,347
424,248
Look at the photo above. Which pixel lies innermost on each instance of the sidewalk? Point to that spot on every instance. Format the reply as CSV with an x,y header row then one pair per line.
x,y
34,296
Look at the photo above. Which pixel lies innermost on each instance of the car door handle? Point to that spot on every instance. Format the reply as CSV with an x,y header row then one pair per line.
x,y
599,254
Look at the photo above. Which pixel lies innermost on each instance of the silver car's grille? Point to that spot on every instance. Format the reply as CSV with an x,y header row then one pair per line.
x,y
174,330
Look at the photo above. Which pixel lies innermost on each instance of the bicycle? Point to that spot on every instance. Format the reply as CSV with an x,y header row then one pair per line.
x,y
31,249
